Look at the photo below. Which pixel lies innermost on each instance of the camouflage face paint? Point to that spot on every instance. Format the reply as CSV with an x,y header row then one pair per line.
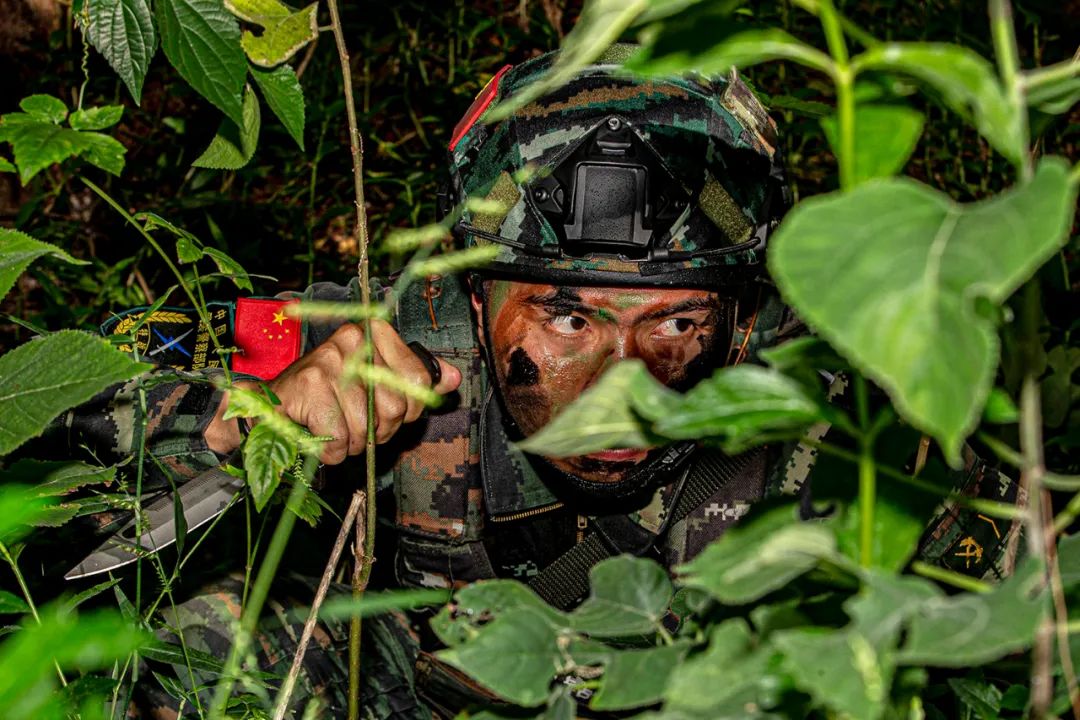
x,y
549,344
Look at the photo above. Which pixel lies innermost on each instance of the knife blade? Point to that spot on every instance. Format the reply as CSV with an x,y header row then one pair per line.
x,y
203,498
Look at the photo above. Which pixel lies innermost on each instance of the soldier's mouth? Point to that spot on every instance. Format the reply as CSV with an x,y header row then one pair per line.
x,y
625,455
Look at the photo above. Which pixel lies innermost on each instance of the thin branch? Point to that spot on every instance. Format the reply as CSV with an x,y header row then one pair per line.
x,y
320,595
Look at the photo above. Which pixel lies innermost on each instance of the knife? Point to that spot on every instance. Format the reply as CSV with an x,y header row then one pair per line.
x,y
203,498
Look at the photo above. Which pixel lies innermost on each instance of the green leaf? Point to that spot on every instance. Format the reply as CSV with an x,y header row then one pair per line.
x,y
103,151
635,678
18,250
885,137
739,406
20,508
966,82
266,456
727,675
602,417
764,552
969,629
377,603
1069,559
123,32
97,118
978,696
187,251
38,144
233,146
839,669
628,596
667,53
600,24
281,90
478,603
515,656
284,31
56,477
230,268
45,108
6,166
886,602
202,41
914,263
12,604
1055,98
1000,409
46,376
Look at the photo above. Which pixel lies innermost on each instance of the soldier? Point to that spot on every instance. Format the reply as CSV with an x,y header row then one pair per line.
x,y
634,220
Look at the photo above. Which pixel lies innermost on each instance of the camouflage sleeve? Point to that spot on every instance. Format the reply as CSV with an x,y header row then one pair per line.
x,y
165,409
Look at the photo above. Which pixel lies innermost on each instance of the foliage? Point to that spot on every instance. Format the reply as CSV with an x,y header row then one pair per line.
x,y
780,618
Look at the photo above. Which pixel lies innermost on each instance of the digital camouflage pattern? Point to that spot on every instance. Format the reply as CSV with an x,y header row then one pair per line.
x,y
711,133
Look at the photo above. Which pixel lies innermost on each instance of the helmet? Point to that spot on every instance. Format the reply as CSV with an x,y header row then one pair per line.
x,y
618,180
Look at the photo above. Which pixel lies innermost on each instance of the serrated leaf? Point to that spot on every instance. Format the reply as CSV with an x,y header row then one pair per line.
x,y
20,508
53,478
635,678
18,250
230,268
840,669
97,118
885,137
103,151
232,147
266,456
123,32
38,144
202,41
281,90
628,596
916,261
972,629
45,108
515,656
966,82
602,417
764,552
285,31
46,376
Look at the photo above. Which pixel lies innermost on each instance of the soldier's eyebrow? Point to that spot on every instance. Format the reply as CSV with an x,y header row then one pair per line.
x,y
706,303
561,300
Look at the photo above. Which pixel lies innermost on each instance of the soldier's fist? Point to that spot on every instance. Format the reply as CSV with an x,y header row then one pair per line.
x,y
313,393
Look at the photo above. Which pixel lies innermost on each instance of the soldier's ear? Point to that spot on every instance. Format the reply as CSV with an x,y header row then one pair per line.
x,y
477,295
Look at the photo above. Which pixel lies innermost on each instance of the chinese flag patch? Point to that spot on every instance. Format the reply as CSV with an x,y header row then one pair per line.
x,y
269,340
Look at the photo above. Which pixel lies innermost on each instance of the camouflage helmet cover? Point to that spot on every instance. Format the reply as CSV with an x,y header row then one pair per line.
x,y
696,160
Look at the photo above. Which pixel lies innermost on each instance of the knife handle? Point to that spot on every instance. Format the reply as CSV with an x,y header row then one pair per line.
x,y
429,361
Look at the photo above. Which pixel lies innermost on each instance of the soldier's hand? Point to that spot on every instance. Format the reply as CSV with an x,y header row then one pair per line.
x,y
313,394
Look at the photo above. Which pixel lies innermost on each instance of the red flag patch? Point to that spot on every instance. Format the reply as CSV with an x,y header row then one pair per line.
x,y
483,99
269,340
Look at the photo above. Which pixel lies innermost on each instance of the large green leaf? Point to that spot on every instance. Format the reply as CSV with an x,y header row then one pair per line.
x,y
890,272
52,478
840,669
20,507
966,82
202,41
669,53
282,92
515,656
762,554
739,405
600,24
603,416
478,603
38,143
972,629
18,250
727,675
635,678
284,32
96,118
233,146
885,137
123,32
44,377
45,108
628,596
267,454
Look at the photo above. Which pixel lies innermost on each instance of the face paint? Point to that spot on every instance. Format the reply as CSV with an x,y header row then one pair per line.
x,y
549,344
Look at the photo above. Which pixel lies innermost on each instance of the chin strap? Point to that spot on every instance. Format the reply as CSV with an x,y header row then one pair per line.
x,y
565,582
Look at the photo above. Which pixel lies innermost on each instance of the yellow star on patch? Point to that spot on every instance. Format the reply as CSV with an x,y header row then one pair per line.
x,y
279,317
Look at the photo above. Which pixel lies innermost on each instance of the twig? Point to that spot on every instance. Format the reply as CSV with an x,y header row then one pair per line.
x,y
364,539
1061,618
320,595
310,53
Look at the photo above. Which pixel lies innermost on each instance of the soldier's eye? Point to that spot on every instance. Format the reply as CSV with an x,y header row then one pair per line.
x,y
568,324
675,327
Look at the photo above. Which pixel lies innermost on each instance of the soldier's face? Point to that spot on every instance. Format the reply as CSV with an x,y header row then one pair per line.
x,y
550,343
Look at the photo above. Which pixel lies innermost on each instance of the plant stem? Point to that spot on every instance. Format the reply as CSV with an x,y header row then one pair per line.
x,y
845,92
259,592
1050,74
957,580
313,615
867,474
1004,36
366,528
